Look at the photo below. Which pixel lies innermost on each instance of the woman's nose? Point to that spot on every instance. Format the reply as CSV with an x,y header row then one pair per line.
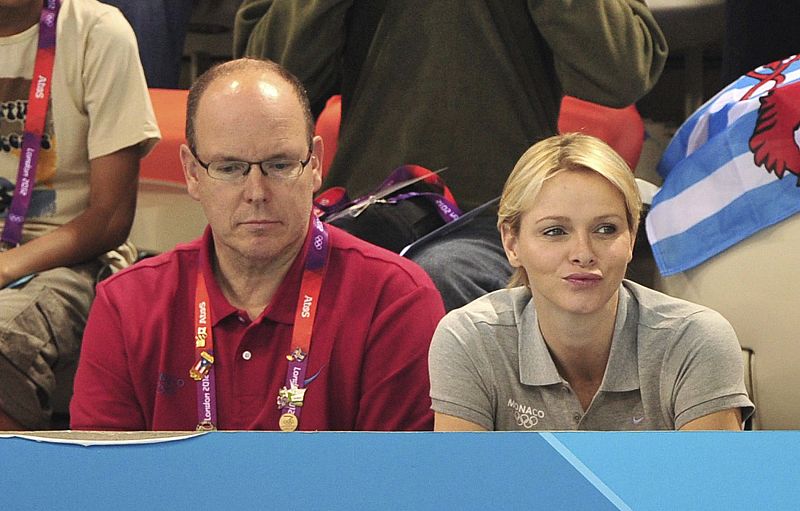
x,y
582,252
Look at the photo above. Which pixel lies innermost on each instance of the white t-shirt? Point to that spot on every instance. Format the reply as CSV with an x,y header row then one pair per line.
x,y
99,104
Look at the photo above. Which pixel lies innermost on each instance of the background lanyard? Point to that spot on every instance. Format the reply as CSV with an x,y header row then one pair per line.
x,y
290,397
38,99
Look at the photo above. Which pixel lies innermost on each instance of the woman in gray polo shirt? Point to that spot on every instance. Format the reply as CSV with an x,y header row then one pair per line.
x,y
570,344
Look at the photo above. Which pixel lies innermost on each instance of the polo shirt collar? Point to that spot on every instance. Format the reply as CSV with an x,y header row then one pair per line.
x,y
536,366
282,307
220,307
622,370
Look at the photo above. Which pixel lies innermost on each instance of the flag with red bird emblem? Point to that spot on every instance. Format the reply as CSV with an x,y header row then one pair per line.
x,y
732,169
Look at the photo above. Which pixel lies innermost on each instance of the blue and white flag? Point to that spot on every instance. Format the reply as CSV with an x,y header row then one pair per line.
x,y
731,170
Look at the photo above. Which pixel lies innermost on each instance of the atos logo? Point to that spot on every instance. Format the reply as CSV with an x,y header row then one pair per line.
x,y
306,312
41,83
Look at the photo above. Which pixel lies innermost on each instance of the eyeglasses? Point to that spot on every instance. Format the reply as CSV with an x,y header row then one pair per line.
x,y
234,170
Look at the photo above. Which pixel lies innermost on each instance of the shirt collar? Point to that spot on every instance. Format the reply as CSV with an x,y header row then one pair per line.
x,y
622,370
536,366
282,306
220,307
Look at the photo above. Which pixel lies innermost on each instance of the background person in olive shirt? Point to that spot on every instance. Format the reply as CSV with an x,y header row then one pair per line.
x,y
460,84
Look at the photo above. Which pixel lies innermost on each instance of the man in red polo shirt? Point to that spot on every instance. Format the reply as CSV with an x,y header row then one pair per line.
x,y
270,320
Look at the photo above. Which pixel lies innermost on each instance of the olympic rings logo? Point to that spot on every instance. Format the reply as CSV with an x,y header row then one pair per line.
x,y
528,421
318,242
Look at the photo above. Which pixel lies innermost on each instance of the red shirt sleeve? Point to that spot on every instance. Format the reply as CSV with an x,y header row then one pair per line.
x,y
395,383
104,398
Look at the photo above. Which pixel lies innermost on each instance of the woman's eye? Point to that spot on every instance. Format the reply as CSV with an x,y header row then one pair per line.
x,y
554,231
607,229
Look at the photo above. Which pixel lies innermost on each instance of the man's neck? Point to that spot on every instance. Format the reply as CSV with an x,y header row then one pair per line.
x,y
251,285
14,20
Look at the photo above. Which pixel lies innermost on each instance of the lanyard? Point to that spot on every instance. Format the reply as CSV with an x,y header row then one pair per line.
x,y
291,395
38,98
334,202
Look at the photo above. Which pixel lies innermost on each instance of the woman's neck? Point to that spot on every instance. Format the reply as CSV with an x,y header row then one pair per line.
x,y
580,343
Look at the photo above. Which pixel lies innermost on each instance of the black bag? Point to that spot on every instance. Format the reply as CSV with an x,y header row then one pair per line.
x,y
411,203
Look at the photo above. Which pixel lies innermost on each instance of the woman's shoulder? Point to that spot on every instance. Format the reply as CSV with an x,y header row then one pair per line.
x,y
659,311
500,308
660,305
485,331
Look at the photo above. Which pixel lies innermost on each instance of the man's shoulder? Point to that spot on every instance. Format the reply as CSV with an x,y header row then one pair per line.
x,y
89,9
93,18
355,252
157,271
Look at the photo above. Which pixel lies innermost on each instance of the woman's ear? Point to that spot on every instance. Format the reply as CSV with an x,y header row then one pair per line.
x,y
510,239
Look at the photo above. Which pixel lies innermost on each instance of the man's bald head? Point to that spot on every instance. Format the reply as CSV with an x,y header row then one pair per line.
x,y
240,67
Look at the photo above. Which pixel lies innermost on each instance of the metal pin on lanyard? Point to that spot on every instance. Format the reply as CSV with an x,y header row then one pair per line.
x,y
202,366
292,396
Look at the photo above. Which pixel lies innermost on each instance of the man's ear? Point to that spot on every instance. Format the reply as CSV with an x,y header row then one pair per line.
x,y
318,151
190,169
510,240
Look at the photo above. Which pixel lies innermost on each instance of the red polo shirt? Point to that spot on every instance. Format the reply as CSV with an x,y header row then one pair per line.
x,y
376,315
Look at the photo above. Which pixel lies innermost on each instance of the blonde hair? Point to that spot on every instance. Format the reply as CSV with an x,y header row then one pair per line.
x,y
552,156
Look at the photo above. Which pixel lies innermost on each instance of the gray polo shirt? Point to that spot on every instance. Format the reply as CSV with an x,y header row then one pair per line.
x,y
671,361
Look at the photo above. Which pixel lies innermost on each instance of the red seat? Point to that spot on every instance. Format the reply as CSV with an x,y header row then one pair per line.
x,y
163,162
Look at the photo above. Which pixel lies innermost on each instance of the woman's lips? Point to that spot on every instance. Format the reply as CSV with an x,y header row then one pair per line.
x,y
583,279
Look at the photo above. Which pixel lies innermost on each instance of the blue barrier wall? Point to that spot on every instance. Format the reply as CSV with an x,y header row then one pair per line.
x,y
248,470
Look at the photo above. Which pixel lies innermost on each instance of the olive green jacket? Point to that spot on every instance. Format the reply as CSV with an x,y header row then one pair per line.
x,y
463,84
